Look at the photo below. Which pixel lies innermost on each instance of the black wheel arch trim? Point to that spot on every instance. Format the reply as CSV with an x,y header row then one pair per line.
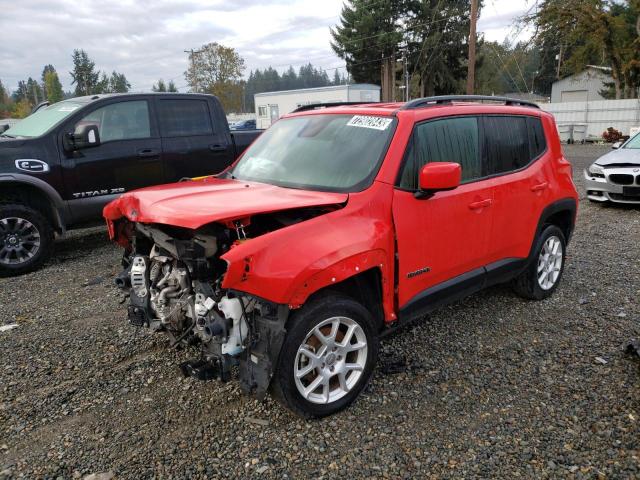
x,y
564,205
58,206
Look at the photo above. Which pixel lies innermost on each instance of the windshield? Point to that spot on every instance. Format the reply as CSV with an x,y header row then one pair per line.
x,y
339,153
634,143
41,121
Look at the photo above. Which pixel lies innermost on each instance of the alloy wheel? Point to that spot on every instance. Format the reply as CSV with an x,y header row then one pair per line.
x,y
550,262
331,360
19,240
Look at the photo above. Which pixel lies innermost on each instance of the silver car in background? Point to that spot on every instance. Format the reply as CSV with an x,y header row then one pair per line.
x,y
615,176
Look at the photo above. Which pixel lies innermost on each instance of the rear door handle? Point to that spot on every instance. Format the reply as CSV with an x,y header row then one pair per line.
x,y
481,204
148,153
217,148
539,187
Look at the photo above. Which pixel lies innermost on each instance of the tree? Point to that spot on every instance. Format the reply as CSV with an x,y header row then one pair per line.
x,y
5,102
432,35
22,92
218,70
367,34
118,83
52,86
21,108
159,87
163,87
85,77
594,32
35,94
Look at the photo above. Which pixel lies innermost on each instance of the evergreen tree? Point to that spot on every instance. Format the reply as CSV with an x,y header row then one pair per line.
x,y
118,83
159,87
34,92
21,93
171,87
85,77
366,34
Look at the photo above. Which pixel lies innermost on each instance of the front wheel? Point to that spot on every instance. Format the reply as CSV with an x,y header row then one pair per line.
x,y
26,239
327,358
542,277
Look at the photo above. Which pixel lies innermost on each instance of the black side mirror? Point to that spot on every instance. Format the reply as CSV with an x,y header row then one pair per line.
x,y
85,136
4,128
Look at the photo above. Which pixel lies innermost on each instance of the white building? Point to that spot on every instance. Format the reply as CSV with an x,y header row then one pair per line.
x,y
272,105
582,87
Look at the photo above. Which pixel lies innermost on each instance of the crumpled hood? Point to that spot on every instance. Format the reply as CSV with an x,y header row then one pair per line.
x,y
629,156
196,203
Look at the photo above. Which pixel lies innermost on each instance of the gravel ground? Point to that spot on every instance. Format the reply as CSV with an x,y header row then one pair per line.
x,y
491,387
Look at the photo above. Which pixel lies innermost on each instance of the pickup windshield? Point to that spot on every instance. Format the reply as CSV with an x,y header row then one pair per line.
x,y
41,121
340,153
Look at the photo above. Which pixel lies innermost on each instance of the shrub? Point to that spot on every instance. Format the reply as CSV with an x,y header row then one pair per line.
x,y
611,135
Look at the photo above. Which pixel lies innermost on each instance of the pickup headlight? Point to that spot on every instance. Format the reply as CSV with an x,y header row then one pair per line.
x,y
596,171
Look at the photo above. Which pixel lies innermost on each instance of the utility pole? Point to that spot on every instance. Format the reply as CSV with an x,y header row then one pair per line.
x,y
471,67
191,53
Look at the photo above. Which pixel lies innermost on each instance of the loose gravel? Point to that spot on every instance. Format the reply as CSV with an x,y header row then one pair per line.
x,y
493,386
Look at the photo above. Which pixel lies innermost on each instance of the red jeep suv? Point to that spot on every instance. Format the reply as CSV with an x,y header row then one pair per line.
x,y
338,225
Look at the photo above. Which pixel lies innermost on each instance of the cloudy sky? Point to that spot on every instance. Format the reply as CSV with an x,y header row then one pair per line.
x,y
146,39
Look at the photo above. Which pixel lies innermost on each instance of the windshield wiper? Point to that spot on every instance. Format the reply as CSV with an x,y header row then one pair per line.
x,y
5,135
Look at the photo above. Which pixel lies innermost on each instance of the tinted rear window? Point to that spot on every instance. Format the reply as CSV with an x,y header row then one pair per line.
x,y
184,118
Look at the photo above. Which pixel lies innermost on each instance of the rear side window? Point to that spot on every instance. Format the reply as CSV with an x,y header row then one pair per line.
x,y
446,140
512,142
537,142
184,118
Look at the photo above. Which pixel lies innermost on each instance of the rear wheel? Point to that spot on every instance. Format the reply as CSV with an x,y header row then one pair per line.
x,y
542,277
327,358
26,239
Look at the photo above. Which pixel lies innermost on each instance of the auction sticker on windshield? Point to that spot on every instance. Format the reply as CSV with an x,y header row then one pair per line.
x,y
366,121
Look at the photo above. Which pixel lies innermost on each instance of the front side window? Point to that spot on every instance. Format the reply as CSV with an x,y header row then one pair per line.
x,y
44,119
445,140
327,152
184,118
120,121
262,111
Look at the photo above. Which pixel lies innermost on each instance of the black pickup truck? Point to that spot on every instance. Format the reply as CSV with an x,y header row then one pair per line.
x,y
62,164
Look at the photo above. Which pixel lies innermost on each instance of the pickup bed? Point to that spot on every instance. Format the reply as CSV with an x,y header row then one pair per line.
x,y
62,164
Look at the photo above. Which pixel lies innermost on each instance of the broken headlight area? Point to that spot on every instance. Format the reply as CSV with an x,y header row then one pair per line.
x,y
173,277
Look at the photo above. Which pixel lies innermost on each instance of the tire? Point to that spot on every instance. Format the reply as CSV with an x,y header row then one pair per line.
x,y
345,373
531,283
26,239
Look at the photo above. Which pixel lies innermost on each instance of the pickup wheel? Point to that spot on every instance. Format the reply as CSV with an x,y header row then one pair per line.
x,y
542,276
26,239
327,358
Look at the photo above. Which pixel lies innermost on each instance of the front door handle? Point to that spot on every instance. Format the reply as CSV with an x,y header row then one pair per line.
x,y
217,148
539,187
480,204
148,152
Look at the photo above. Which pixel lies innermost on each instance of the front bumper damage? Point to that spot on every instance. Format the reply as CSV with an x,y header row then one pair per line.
x,y
168,282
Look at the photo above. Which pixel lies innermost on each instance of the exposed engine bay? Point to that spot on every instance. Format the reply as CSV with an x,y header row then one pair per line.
x,y
173,278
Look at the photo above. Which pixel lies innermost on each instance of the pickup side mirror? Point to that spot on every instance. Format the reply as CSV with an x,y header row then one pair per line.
x,y
616,145
438,177
85,136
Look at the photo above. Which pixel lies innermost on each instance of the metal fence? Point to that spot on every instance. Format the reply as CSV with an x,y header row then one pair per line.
x,y
588,120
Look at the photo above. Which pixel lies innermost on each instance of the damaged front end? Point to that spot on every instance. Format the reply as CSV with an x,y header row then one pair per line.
x,y
174,276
